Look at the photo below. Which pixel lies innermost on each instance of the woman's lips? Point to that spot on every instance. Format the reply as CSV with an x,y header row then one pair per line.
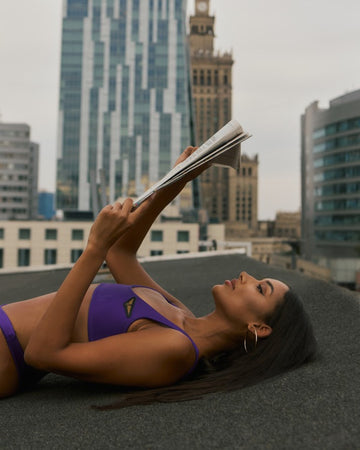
x,y
230,283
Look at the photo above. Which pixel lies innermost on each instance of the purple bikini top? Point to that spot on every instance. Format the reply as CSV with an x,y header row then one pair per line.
x,y
114,307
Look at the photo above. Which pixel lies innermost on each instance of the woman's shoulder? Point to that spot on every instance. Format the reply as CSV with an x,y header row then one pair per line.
x,y
174,354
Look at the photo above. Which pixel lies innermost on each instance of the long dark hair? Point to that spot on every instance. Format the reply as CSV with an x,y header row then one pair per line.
x,y
291,344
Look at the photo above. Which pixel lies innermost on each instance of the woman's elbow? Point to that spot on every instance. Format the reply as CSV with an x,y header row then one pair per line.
x,y
36,359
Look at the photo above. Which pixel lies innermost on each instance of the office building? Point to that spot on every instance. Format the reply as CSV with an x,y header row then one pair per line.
x,y
42,243
124,97
228,196
19,161
330,152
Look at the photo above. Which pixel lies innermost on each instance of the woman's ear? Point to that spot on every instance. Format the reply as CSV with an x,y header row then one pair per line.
x,y
261,329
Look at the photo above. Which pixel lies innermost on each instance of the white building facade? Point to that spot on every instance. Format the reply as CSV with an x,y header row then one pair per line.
x,y
41,243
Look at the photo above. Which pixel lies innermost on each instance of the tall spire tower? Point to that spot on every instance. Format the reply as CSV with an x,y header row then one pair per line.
x,y
227,195
202,28
211,81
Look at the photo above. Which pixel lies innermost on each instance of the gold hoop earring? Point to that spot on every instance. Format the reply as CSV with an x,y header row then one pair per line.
x,y
256,340
256,337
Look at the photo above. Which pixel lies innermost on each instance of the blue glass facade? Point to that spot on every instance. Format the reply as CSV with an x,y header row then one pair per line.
x,y
124,100
331,178
46,205
337,165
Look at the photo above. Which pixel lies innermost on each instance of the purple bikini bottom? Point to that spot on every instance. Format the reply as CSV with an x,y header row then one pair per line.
x,y
27,374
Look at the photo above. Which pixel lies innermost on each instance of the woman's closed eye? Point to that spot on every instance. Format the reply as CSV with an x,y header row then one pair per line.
x,y
260,289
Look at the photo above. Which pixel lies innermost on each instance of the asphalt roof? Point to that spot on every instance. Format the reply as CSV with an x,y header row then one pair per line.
x,y
316,406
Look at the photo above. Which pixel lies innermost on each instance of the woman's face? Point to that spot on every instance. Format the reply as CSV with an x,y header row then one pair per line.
x,y
247,299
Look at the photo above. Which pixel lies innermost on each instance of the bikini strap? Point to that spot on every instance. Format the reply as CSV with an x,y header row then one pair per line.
x,y
12,341
155,315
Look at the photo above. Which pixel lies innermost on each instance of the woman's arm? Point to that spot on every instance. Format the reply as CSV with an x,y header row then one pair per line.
x,y
53,332
155,356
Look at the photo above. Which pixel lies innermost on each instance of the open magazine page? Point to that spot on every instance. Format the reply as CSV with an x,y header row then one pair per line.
x,y
226,155
222,148
225,134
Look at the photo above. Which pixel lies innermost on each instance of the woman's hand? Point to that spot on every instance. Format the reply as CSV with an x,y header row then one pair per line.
x,y
112,222
195,172
185,154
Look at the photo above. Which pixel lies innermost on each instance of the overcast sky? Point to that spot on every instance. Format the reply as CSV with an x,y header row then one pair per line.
x,y
288,53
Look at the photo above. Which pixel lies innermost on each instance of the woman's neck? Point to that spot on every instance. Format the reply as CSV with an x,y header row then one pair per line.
x,y
211,333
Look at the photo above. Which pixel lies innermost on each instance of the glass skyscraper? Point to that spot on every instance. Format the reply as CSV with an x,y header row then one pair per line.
x,y
331,186
124,96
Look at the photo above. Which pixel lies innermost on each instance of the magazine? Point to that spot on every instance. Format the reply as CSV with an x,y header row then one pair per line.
x,y
223,149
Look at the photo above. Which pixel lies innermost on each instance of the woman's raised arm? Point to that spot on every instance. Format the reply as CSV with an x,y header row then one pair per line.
x,y
121,258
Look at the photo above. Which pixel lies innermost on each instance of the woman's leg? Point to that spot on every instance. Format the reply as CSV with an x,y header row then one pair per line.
x,y
9,376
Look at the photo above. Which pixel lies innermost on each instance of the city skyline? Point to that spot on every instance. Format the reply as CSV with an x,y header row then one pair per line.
x,y
286,56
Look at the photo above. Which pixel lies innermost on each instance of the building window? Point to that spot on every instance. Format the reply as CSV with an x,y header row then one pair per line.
x,y
183,236
1,258
75,254
77,235
156,235
24,233
249,171
23,257
50,256
195,78
156,252
51,234
181,252
2,233
202,78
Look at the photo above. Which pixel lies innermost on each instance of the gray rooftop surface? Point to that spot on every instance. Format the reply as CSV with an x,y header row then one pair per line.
x,y
316,406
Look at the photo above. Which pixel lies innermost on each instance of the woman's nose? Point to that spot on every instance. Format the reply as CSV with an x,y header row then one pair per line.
x,y
243,276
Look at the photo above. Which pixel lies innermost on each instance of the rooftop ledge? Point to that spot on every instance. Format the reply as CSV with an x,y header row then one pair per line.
x,y
171,257
316,406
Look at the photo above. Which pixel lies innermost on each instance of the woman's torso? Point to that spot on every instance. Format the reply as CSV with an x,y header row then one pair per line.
x,y
25,315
